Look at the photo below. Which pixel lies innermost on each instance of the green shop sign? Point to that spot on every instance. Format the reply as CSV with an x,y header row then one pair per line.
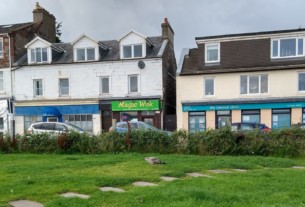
x,y
136,105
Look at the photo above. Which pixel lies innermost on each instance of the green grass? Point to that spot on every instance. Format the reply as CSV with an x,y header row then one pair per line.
x,y
269,181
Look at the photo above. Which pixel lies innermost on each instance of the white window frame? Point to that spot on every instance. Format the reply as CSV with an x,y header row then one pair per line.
x,y
101,84
298,78
132,51
204,85
34,87
1,48
86,54
35,58
59,91
259,84
279,47
138,85
206,52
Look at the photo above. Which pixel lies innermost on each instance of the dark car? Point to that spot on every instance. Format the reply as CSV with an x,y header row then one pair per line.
x,y
249,126
135,125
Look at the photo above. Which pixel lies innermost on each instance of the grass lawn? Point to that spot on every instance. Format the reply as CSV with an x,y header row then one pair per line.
x,y
41,178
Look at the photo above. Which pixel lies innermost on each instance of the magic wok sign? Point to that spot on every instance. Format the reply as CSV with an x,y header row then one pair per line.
x,y
136,105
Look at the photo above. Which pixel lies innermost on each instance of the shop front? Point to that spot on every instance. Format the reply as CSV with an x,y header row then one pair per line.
x,y
146,110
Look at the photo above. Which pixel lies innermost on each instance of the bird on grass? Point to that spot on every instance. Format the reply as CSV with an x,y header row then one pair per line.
x,y
153,160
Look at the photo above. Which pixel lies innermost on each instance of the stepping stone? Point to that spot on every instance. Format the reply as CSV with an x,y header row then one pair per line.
x,y
195,174
219,171
165,178
112,189
298,167
241,170
74,195
25,203
144,184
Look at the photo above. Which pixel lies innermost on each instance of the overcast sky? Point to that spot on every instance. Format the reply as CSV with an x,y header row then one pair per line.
x,y
111,19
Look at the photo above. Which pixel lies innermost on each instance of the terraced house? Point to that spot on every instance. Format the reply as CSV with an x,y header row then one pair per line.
x,y
91,83
251,77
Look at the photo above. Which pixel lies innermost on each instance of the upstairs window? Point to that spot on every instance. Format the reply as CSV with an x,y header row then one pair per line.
x,y
301,85
85,54
133,84
104,85
1,81
1,47
132,51
209,86
212,53
37,86
285,48
253,84
64,87
39,55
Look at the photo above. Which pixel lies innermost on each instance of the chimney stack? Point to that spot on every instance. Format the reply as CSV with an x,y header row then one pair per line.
x,y
45,23
167,31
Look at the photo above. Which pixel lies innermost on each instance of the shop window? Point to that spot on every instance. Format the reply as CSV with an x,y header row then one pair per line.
x,y
223,119
64,87
129,116
303,116
38,90
197,121
281,118
252,116
1,81
28,120
83,121
148,113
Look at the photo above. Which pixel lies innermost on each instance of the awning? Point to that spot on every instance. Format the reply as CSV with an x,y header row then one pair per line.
x,y
50,111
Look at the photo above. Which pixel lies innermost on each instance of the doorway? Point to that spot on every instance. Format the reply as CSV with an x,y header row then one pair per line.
x,y
52,119
106,120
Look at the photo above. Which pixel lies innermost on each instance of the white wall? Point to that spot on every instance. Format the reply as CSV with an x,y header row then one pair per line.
x,y
6,93
84,79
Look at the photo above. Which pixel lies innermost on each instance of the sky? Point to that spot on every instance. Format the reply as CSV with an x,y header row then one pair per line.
x,y
112,19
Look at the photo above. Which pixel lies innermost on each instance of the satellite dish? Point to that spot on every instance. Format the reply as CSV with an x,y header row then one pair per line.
x,y
141,64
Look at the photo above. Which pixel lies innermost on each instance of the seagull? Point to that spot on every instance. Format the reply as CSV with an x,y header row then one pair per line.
x,y
153,160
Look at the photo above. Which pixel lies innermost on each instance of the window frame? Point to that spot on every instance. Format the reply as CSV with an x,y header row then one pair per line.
x,y
138,85
279,47
33,59
205,79
206,52
35,89
101,85
86,54
60,89
2,81
1,48
259,84
298,86
132,51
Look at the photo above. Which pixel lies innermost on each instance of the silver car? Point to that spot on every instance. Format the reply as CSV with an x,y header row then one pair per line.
x,y
53,127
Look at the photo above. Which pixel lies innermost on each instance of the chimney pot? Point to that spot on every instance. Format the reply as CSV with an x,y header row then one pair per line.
x,y
165,20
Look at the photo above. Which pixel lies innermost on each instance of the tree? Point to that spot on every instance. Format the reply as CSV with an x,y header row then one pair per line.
x,y
58,32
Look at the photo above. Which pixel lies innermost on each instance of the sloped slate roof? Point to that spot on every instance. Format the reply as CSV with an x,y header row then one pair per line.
x,y
112,54
13,27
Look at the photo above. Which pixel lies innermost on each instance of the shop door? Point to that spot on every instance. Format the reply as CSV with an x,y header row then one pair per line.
x,y
52,119
106,120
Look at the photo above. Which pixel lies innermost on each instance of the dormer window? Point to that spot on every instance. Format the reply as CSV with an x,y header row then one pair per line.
x,y
1,47
85,54
132,51
212,53
39,55
287,47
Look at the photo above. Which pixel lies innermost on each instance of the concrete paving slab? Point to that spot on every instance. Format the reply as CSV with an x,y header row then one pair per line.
x,y
144,184
25,203
241,170
299,167
166,178
112,189
74,195
196,174
219,171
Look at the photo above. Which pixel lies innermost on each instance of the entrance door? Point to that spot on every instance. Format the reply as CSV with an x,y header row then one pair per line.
x,y
106,120
52,119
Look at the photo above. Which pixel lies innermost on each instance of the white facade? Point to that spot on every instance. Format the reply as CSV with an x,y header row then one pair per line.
x,y
5,94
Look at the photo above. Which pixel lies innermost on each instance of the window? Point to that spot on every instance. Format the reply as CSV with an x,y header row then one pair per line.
x,y
104,85
280,118
133,84
197,121
254,84
85,54
39,55
64,87
1,47
212,53
223,119
301,84
129,116
28,120
1,81
38,90
290,47
252,116
83,121
132,51
1,123
209,86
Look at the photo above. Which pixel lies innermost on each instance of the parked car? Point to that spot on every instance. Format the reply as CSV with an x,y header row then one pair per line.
x,y
135,125
53,127
249,126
